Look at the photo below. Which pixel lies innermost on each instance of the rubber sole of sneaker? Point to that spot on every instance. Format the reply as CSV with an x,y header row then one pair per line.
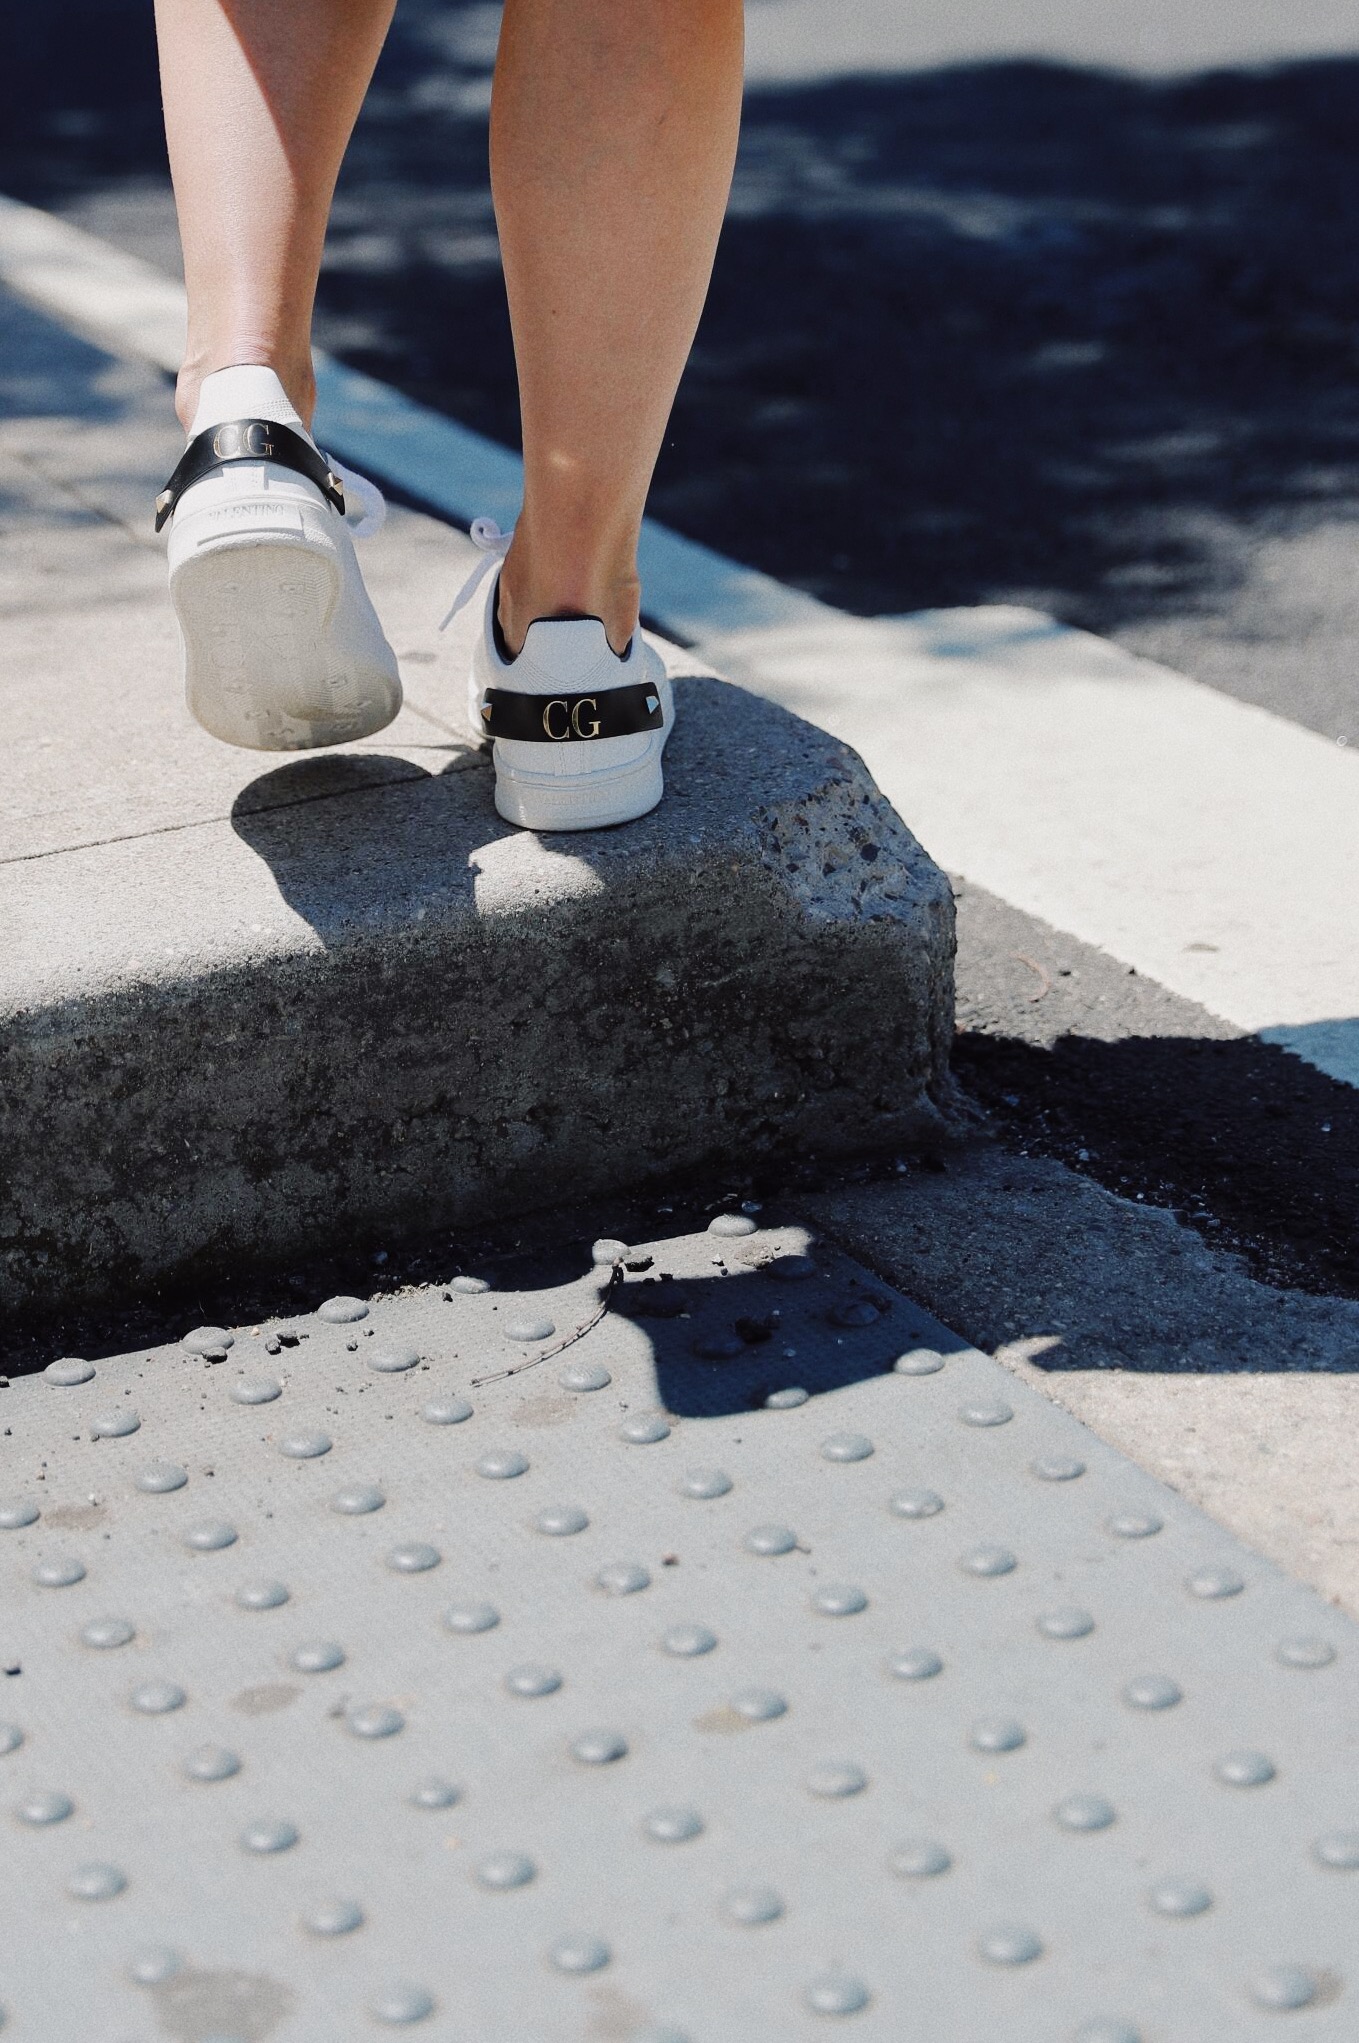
x,y
260,670
542,805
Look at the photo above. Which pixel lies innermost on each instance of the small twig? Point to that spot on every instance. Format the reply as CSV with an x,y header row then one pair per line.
x,y
518,1368
1046,986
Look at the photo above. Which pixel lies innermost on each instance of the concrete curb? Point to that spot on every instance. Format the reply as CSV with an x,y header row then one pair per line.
x,y
455,1020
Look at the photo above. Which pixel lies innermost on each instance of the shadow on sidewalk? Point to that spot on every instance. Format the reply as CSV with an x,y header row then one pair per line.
x,y
47,372
363,840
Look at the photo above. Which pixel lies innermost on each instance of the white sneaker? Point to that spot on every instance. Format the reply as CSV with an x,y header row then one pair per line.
x,y
578,731
283,650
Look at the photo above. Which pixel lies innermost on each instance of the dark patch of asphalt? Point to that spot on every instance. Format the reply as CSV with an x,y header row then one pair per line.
x,y
1076,1058
1002,332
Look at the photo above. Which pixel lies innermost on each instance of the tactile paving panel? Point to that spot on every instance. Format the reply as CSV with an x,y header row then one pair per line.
x,y
763,1663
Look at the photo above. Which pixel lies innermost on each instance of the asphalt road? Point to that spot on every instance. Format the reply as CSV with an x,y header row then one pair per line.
x,y
992,321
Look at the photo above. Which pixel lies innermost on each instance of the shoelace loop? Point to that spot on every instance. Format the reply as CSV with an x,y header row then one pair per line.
x,y
493,545
358,489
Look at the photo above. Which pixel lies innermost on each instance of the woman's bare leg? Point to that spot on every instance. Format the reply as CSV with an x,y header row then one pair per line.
x,y
612,139
260,100
613,133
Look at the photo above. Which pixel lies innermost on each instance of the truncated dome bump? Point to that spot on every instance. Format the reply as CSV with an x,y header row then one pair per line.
x,y
502,1464
375,1720
560,1521
262,1595
1152,1692
104,1633
401,2002
704,1483
1010,1944
68,1373
115,1425
334,1917
997,1734
623,1578
919,1362
471,1617
413,1557
504,1870
579,1954
317,1656
154,1964
342,1311
96,1881
915,1663
208,1341
162,1477
920,1859
584,1376
599,1748
645,1429
446,1411
752,1905
434,1793
1283,1987
356,1500
393,1361
528,1327
304,1446
673,1825
917,1503
986,1412
836,1993
59,1571
255,1390
847,1447
269,1835
212,1763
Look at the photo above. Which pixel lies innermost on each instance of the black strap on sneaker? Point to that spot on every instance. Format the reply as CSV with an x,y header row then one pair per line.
x,y
571,719
248,440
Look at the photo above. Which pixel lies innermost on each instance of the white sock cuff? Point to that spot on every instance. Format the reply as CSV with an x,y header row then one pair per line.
x,y
245,392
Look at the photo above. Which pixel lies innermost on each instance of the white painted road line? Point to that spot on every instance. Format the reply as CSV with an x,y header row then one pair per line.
x,y
1211,845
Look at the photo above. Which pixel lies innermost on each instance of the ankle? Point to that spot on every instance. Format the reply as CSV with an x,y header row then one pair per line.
x,y
560,585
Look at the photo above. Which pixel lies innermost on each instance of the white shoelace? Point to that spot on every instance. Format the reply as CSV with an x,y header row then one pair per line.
x,y
493,545
369,498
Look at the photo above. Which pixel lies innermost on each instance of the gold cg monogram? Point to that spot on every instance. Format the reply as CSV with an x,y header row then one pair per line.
x,y
562,718
246,440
